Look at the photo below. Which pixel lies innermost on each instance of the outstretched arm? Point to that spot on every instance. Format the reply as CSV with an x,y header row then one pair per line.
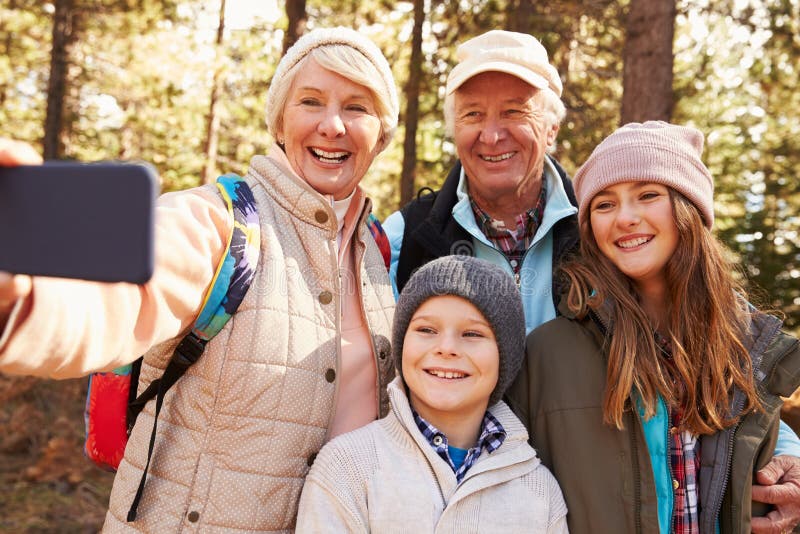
x,y
14,289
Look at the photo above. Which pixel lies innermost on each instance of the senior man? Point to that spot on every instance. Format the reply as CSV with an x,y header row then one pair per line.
x,y
507,201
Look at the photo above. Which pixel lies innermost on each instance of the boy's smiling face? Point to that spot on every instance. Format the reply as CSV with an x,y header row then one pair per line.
x,y
450,359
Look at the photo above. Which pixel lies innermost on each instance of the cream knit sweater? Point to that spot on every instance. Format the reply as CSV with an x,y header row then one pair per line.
x,y
386,478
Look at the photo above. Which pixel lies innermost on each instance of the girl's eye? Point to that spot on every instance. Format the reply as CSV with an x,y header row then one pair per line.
x,y
602,206
425,330
649,195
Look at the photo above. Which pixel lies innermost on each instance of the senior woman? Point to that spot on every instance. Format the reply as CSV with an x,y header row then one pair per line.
x,y
304,358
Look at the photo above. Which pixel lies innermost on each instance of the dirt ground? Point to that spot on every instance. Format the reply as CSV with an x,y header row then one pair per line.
x,y
46,483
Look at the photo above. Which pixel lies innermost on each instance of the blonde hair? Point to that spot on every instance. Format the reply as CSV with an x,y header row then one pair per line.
x,y
347,62
708,318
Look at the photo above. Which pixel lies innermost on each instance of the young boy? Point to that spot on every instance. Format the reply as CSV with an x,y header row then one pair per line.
x,y
450,456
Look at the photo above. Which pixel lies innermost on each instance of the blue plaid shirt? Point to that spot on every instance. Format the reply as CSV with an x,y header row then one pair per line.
x,y
492,436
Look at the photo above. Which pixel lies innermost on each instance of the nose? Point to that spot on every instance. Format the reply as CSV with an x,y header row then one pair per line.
x,y
448,345
628,215
331,124
492,132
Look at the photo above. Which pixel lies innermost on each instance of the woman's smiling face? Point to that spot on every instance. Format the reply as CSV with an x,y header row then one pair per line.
x,y
331,130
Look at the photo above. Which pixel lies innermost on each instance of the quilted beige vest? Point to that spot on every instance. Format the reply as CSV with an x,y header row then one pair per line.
x,y
238,432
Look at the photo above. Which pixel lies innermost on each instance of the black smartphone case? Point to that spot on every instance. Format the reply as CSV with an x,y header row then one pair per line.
x,y
93,221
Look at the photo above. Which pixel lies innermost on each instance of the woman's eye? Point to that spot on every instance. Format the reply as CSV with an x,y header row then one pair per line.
x,y
309,102
357,107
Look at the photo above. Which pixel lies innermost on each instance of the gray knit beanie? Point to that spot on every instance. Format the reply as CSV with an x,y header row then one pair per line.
x,y
340,35
488,288
654,151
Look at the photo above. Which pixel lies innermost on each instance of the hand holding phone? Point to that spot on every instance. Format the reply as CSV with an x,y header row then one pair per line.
x,y
14,152
12,288
93,221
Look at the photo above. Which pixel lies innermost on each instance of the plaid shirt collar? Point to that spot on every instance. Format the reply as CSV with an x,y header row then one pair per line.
x,y
517,240
492,436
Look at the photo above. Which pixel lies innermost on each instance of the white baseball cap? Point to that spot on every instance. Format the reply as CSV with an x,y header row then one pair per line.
x,y
518,54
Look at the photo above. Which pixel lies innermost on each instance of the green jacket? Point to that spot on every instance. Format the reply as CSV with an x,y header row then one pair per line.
x,y
605,473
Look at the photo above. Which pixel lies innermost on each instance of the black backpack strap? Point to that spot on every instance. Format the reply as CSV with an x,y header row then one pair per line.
x,y
233,276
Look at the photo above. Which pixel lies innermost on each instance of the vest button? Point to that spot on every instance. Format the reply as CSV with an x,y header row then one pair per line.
x,y
320,216
310,460
326,297
437,440
193,516
330,375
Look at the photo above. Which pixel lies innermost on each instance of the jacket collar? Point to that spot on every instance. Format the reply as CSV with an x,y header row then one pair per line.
x,y
558,205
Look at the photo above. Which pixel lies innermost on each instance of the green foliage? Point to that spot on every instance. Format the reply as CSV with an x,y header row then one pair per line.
x,y
742,90
24,63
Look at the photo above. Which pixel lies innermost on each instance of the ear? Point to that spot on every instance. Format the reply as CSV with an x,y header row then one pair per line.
x,y
552,133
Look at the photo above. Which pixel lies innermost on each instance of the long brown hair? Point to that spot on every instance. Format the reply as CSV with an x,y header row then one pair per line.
x,y
708,318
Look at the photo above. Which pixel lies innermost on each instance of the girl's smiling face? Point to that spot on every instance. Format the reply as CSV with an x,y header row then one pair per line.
x,y
634,227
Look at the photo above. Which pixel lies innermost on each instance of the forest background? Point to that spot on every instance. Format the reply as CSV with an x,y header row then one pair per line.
x,y
181,84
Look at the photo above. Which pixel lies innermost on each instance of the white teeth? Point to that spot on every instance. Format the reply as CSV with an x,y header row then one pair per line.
x,y
446,374
501,157
634,242
330,157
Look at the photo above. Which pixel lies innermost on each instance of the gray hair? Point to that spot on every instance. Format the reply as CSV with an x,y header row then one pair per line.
x,y
347,53
548,100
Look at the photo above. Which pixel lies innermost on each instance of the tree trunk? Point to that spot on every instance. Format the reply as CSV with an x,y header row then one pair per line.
x,y
208,174
297,16
648,61
412,106
519,15
63,32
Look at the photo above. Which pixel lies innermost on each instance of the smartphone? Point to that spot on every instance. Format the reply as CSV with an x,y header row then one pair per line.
x,y
93,221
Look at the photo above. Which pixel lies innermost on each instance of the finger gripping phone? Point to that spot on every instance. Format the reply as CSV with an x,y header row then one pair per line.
x,y
93,221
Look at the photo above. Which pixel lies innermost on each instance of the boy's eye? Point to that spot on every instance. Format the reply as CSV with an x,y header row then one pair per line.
x,y
474,333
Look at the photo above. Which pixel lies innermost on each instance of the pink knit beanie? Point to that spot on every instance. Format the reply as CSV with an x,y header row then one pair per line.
x,y
654,151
